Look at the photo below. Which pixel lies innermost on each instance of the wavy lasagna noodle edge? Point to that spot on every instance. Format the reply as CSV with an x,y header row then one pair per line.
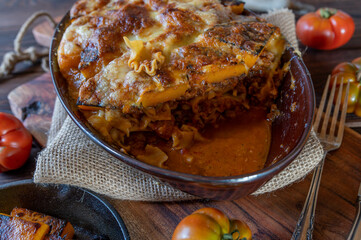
x,y
167,67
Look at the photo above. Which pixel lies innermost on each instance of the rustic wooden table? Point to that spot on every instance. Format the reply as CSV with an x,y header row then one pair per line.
x,y
270,216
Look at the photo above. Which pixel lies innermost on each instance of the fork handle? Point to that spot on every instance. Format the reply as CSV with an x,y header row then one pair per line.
x,y
304,227
355,233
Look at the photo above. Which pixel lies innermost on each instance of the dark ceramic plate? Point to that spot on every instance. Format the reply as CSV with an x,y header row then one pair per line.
x,y
91,216
289,131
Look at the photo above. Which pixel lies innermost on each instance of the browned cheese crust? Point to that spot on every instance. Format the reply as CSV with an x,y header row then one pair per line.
x,y
167,66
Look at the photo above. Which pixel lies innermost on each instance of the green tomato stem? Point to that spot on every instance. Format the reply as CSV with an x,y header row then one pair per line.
x,y
229,236
327,12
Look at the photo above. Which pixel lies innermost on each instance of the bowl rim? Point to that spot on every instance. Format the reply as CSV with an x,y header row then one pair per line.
x,y
173,175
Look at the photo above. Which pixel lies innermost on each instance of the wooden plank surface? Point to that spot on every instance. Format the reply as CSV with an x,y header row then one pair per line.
x,y
33,103
271,216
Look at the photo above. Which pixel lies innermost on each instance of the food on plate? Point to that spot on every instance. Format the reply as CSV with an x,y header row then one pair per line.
x,y
58,228
26,224
183,85
349,72
18,228
15,143
211,224
325,29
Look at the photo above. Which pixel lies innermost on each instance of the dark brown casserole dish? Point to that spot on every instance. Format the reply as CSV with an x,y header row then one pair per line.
x,y
171,91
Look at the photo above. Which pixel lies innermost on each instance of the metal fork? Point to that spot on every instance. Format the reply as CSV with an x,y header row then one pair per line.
x,y
329,142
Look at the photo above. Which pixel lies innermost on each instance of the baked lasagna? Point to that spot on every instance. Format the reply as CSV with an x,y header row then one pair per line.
x,y
144,72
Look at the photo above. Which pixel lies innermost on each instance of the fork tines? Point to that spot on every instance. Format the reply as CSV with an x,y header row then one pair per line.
x,y
322,133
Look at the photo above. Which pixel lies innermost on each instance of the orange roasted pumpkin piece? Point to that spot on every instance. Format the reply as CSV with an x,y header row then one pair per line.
x,y
18,228
59,229
90,108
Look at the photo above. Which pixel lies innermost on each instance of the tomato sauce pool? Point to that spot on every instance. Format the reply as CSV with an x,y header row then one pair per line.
x,y
237,146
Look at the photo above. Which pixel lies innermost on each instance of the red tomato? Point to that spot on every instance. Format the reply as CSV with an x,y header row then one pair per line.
x,y
15,143
210,224
325,29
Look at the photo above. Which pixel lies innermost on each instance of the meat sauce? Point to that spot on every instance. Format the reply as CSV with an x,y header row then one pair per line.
x,y
237,146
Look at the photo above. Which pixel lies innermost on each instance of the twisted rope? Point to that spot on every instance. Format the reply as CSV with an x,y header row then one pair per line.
x,y
30,54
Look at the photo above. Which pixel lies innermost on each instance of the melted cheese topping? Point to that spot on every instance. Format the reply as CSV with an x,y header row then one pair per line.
x,y
176,44
142,58
167,66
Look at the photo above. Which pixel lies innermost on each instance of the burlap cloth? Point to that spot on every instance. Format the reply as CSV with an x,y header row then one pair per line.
x,y
71,158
